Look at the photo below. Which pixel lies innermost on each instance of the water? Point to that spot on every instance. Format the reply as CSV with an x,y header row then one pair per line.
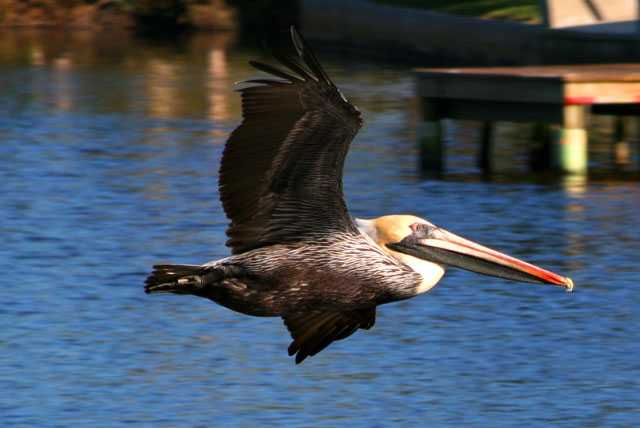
x,y
110,150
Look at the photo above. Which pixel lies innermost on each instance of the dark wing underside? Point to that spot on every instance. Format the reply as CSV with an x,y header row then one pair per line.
x,y
314,331
281,170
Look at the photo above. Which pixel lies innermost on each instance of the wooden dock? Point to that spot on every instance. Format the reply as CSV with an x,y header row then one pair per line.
x,y
563,96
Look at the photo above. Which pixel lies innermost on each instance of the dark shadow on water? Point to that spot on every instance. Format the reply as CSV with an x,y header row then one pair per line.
x,y
545,178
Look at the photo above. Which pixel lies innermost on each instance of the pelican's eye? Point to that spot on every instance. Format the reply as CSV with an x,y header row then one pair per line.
x,y
422,230
417,226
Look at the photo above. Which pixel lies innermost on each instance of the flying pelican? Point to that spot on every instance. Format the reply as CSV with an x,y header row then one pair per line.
x,y
296,251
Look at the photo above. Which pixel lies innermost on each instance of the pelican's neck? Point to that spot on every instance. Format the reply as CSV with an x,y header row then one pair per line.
x,y
367,228
431,272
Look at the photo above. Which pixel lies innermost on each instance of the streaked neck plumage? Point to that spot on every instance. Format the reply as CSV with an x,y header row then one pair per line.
x,y
393,228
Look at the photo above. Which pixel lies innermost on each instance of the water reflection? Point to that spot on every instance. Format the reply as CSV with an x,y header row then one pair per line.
x,y
575,185
63,82
162,88
177,79
37,56
217,84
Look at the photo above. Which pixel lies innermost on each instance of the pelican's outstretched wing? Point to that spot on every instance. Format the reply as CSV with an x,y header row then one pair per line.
x,y
281,171
313,331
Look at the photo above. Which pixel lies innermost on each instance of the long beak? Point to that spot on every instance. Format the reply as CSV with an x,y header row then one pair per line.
x,y
447,248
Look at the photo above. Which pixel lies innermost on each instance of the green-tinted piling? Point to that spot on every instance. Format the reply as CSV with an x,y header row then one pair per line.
x,y
571,149
571,140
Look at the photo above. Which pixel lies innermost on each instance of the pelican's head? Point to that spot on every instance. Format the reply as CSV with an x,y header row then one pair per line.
x,y
427,248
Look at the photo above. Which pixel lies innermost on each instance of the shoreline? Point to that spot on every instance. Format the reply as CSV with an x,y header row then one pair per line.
x,y
111,14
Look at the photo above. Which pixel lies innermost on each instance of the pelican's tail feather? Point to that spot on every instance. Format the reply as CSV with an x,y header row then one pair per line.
x,y
178,279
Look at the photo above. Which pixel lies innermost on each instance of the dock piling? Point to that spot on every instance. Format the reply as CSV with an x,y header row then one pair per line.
x,y
570,140
540,150
621,149
430,136
484,160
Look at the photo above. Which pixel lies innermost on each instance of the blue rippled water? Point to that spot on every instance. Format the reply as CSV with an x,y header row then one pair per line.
x,y
109,165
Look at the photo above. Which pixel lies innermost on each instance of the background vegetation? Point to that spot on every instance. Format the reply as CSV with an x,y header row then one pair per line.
x,y
514,10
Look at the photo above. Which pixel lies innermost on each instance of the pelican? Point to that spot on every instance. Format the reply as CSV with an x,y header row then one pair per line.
x,y
296,253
